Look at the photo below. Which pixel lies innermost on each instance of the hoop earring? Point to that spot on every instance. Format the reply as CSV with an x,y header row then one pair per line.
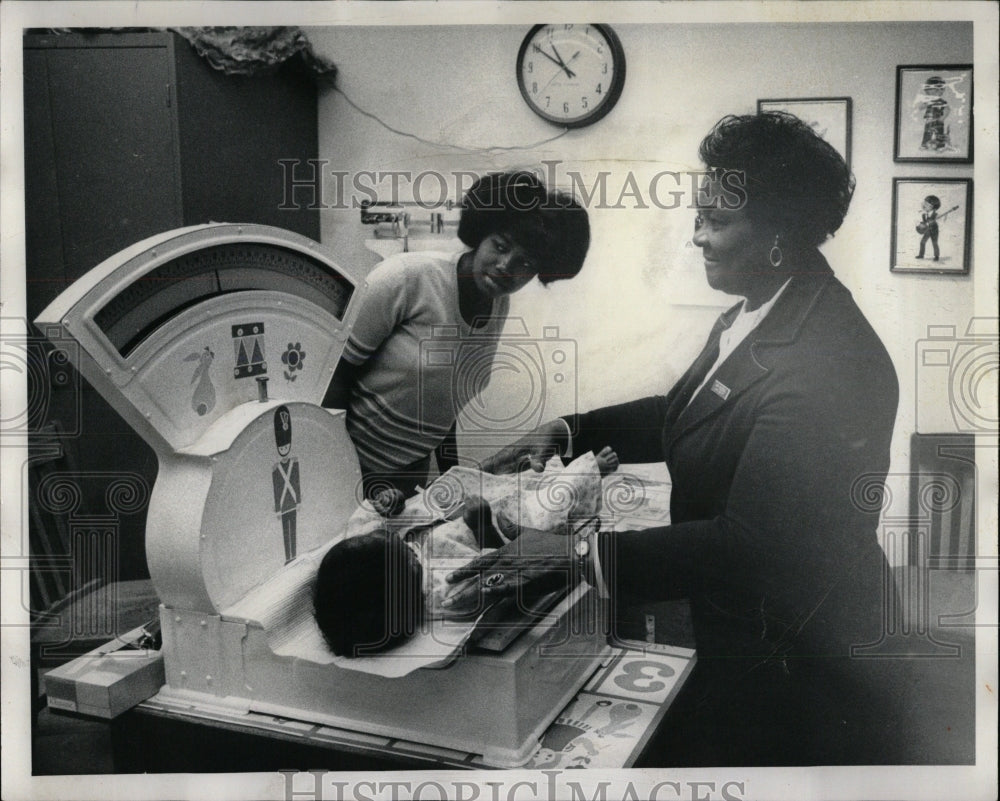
x,y
775,255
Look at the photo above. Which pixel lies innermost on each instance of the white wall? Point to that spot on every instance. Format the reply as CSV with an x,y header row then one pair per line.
x,y
639,310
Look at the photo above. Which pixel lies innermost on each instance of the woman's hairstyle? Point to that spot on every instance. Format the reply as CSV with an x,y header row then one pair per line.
x,y
368,594
550,225
795,181
933,201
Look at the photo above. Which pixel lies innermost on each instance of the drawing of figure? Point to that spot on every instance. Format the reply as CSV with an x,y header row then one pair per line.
x,y
203,400
935,110
928,227
580,753
285,476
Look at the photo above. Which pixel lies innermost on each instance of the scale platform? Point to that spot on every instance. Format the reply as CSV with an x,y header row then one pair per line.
x,y
606,725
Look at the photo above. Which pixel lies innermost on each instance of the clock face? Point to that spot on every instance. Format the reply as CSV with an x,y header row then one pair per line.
x,y
571,75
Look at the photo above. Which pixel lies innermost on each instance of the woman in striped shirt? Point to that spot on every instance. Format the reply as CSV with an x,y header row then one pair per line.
x,y
428,317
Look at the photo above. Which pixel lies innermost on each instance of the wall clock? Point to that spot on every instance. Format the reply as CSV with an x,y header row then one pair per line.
x,y
571,75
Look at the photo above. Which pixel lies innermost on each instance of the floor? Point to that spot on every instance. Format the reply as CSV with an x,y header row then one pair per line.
x,y
64,745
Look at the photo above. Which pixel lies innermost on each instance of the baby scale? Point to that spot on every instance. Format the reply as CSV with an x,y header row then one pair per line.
x,y
216,343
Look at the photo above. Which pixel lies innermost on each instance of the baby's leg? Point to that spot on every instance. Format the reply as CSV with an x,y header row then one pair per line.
x,y
607,461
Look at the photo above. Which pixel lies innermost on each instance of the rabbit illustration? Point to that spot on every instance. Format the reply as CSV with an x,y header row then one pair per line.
x,y
203,399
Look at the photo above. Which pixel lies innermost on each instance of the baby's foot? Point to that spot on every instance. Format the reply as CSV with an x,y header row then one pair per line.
x,y
388,502
607,461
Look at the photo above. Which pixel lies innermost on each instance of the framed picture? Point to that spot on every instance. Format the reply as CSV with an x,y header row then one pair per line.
x,y
934,114
931,225
829,116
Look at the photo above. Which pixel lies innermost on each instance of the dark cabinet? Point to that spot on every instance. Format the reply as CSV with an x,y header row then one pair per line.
x,y
128,135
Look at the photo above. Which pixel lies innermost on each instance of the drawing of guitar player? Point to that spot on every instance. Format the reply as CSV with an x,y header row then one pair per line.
x,y
285,477
928,225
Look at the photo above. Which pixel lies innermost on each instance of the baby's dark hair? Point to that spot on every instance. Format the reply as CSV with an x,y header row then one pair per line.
x,y
368,595
933,201
550,225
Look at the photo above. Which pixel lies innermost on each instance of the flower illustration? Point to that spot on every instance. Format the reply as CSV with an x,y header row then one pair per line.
x,y
292,358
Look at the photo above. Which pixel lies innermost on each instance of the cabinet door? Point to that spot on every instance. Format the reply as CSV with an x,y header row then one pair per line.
x,y
233,133
43,230
115,149
100,174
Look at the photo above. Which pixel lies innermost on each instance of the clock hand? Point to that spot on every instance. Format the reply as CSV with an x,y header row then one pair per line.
x,y
555,75
569,72
572,58
550,80
554,61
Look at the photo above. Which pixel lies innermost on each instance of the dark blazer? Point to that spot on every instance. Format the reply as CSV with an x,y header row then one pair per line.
x,y
777,467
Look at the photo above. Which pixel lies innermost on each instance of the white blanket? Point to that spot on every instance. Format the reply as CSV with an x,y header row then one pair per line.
x,y
545,501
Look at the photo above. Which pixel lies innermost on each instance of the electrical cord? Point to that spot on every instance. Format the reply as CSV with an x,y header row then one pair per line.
x,y
489,149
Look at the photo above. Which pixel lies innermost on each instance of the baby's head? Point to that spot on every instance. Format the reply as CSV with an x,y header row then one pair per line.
x,y
368,595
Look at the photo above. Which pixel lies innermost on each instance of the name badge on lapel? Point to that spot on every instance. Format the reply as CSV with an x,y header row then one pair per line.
x,y
720,389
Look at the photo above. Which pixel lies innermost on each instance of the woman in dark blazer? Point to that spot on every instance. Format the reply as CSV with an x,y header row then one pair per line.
x,y
777,441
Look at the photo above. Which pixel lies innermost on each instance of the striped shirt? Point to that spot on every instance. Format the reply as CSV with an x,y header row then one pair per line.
x,y
422,362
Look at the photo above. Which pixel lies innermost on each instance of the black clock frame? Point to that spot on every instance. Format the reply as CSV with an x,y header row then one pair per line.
x,y
611,96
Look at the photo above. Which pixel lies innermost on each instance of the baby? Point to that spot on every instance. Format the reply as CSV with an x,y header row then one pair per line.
x,y
372,591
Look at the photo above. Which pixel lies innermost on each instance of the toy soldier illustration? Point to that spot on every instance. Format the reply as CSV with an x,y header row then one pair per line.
x,y
285,475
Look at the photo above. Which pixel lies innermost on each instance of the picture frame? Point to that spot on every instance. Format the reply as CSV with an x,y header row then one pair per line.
x,y
934,114
928,239
830,117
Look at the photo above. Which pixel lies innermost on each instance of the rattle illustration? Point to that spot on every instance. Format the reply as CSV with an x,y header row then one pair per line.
x,y
203,400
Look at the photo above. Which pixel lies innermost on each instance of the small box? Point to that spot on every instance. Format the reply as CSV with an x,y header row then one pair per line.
x,y
107,681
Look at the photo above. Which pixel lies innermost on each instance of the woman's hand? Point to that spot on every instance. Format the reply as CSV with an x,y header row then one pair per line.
x,y
533,564
532,450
